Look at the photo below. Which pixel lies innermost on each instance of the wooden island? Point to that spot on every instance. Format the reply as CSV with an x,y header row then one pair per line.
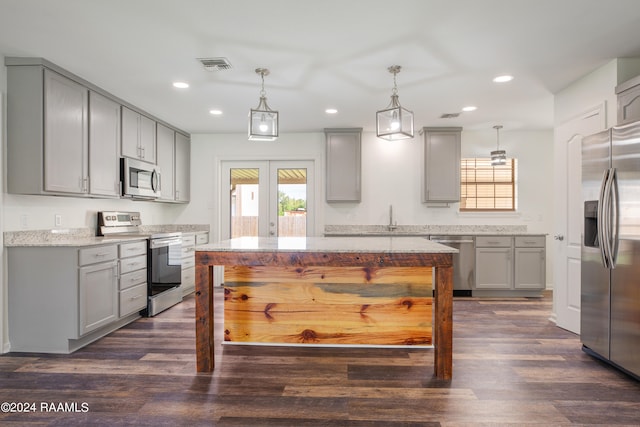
x,y
348,290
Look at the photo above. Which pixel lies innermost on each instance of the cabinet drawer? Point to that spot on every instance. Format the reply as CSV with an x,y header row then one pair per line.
x,y
188,262
92,255
188,278
133,278
530,241
202,239
133,249
188,251
188,240
132,264
493,241
133,299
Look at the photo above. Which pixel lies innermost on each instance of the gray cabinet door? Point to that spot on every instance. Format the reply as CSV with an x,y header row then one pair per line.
x,y
183,168
441,165
98,296
166,162
530,268
104,146
130,133
148,139
494,268
66,109
343,164
138,136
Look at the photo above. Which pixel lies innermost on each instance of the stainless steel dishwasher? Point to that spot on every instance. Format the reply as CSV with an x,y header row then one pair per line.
x,y
464,262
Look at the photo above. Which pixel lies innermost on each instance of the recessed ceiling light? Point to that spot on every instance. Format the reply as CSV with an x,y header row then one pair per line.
x,y
331,111
503,79
469,108
215,112
181,85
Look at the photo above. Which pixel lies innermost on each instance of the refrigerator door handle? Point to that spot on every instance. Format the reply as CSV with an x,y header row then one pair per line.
x,y
607,211
614,223
601,220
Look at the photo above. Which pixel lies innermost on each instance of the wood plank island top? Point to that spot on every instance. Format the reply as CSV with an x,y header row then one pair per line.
x,y
338,252
394,244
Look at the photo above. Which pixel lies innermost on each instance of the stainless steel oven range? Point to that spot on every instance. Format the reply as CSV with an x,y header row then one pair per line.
x,y
164,258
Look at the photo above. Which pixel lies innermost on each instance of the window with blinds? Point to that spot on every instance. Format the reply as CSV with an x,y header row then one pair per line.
x,y
487,188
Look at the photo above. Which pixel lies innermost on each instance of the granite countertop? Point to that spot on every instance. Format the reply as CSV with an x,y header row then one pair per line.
x,y
80,237
426,230
329,244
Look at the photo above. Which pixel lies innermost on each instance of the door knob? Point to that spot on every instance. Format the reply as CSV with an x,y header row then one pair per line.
x,y
559,237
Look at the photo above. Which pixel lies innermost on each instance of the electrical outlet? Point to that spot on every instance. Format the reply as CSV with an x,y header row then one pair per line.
x,y
24,221
58,220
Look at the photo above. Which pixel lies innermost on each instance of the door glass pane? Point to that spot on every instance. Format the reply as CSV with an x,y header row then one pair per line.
x,y
244,202
292,202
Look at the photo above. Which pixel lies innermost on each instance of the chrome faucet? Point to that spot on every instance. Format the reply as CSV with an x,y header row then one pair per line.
x,y
392,226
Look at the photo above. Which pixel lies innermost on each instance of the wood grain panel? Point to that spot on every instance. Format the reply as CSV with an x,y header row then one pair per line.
x,y
328,305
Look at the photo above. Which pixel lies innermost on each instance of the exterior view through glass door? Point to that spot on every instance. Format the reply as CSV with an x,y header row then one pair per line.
x,y
267,198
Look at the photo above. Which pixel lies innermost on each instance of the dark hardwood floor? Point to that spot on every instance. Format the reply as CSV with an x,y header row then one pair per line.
x,y
512,366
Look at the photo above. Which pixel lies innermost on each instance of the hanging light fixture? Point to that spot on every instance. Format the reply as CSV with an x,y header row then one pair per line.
x,y
263,121
394,122
498,156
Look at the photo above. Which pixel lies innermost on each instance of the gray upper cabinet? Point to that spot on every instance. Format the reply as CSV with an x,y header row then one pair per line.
x,y
65,135
343,164
104,146
183,168
174,160
47,132
138,136
441,164
166,160
628,101
66,107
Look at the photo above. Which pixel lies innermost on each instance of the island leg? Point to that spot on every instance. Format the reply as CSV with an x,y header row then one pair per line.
x,y
443,322
204,316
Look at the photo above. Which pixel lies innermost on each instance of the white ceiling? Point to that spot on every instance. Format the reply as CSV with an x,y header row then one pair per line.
x,y
328,53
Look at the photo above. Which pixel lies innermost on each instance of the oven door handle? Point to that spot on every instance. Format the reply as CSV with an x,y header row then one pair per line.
x,y
161,243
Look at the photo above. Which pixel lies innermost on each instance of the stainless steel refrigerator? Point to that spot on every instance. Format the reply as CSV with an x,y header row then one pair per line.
x,y
610,272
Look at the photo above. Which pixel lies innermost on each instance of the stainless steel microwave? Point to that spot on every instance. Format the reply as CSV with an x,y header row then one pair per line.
x,y
140,180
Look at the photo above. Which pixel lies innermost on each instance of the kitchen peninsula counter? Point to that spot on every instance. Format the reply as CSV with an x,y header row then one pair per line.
x,y
316,263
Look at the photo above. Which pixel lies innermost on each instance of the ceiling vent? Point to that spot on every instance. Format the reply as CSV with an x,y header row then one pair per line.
x,y
215,64
449,115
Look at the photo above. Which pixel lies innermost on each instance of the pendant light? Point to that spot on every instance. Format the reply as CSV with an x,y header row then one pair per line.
x,y
498,157
394,122
263,121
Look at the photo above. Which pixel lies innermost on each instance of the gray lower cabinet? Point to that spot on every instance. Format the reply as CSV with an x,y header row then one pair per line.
x,y
494,263
138,136
442,146
190,241
343,149
510,265
62,298
132,283
530,262
188,282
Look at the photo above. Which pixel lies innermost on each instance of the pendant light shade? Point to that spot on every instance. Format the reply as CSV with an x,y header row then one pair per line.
x,y
394,122
263,121
498,156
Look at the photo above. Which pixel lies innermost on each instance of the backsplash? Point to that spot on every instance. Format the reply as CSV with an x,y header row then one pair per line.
x,y
423,229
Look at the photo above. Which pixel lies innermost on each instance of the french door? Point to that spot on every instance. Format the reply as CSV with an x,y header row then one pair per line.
x,y
267,198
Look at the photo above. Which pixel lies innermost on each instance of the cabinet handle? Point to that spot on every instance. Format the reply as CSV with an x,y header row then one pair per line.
x,y
135,297
101,254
